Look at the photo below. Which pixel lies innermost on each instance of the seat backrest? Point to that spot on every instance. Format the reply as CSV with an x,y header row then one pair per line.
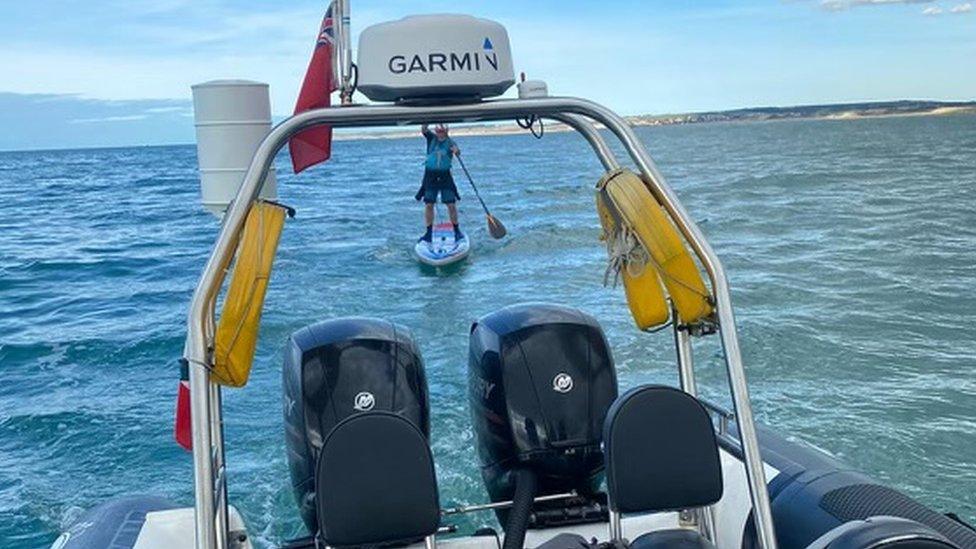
x,y
661,453
375,482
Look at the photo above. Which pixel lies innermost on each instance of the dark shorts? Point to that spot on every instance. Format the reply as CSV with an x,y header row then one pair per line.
x,y
441,183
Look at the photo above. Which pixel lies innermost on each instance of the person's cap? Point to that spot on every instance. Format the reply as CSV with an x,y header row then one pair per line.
x,y
440,128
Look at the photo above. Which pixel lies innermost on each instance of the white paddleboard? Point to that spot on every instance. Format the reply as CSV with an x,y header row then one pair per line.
x,y
442,249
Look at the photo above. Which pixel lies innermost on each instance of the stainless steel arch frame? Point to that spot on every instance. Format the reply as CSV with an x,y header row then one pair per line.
x,y
592,136
209,489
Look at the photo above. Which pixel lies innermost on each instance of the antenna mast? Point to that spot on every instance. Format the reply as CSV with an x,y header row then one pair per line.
x,y
344,51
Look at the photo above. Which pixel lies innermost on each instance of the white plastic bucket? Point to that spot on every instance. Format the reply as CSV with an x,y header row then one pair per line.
x,y
232,117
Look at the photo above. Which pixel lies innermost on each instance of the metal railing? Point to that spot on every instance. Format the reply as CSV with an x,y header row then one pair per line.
x,y
722,414
210,522
504,504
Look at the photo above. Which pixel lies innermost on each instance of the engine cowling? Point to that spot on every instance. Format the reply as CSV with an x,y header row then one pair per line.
x,y
338,368
541,379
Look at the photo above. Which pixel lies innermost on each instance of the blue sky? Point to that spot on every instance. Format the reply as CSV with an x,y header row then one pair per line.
x,y
119,71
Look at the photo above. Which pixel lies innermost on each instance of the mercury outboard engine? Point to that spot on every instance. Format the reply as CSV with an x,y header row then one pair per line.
x,y
338,368
541,379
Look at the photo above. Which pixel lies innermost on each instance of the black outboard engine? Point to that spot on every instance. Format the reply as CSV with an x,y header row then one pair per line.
x,y
541,379
341,367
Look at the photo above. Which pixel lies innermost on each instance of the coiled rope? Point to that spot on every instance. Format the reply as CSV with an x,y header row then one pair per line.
x,y
624,251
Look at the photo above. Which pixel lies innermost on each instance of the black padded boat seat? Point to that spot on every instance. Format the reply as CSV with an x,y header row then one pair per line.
x,y
678,538
672,539
661,455
375,483
567,541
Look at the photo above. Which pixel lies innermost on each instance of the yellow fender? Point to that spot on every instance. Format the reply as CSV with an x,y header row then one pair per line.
x,y
642,285
631,204
240,318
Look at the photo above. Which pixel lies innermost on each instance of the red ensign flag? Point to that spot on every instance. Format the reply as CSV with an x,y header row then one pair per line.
x,y
312,146
182,430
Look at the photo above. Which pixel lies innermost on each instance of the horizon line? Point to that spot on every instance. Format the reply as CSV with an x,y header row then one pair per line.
x,y
850,104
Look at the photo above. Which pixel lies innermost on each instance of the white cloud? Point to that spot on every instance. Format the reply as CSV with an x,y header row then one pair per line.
x,y
159,110
125,118
840,5
956,10
273,46
128,77
884,2
207,41
55,121
843,5
834,5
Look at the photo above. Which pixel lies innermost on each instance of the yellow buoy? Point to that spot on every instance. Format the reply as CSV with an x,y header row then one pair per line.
x,y
240,318
642,286
629,204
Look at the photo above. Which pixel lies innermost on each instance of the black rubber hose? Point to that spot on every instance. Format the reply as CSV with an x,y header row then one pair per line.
x,y
518,515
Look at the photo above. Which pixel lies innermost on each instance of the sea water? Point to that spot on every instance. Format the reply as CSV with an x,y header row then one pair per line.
x,y
850,247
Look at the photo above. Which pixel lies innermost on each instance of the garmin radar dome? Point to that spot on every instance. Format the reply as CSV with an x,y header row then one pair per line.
x,y
435,58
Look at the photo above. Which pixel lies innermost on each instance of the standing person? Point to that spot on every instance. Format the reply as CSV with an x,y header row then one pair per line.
x,y
438,180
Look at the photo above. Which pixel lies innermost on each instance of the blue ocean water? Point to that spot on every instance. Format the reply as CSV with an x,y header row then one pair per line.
x,y
849,245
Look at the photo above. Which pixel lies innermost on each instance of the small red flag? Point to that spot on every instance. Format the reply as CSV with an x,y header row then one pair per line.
x,y
182,429
309,147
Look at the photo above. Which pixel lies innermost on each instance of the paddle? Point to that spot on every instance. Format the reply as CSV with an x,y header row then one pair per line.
x,y
495,227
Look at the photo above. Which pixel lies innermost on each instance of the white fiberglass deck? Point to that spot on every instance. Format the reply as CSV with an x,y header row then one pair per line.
x,y
173,529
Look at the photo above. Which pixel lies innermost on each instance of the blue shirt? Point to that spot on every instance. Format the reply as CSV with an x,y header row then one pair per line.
x,y
438,153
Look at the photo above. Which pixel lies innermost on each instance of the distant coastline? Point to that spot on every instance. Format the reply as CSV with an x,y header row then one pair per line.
x,y
72,130
840,111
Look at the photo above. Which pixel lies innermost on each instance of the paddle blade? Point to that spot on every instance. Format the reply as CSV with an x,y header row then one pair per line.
x,y
495,227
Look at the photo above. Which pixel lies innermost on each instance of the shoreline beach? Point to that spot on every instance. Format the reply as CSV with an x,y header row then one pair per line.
x,y
841,112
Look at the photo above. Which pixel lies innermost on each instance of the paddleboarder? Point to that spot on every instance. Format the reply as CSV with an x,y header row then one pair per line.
x,y
438,180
